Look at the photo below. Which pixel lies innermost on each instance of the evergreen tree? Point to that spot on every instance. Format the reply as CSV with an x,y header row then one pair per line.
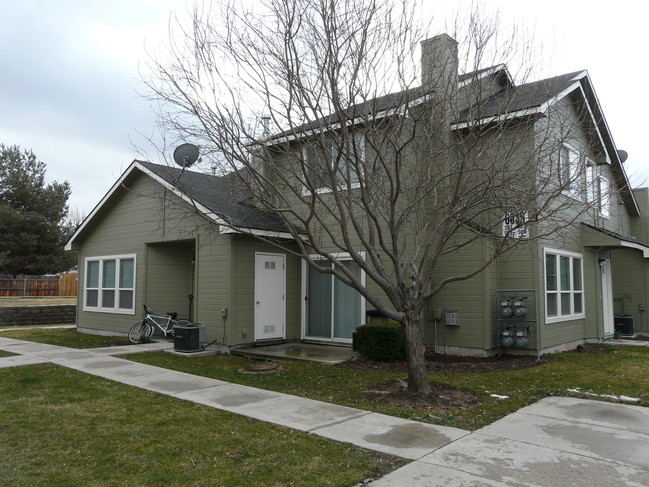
x,y
32,216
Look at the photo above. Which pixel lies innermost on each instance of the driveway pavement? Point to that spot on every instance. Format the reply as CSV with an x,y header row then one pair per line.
x,y
558,441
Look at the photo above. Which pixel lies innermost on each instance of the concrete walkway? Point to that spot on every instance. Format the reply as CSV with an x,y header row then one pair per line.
x,y
555,442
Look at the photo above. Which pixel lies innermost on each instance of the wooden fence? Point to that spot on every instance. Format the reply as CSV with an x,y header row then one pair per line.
x,y
60,285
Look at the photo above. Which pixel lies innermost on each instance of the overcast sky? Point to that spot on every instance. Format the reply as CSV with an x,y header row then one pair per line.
x,y
70,71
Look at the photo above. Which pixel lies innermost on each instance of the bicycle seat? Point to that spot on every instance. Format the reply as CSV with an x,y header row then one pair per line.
x,y
173,314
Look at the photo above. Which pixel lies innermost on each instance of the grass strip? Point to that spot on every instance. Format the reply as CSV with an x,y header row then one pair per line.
x,y
60,427
64,337
622,372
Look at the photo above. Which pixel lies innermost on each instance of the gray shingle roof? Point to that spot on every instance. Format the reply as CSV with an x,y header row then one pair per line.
x,y
225,196
509,100
518,98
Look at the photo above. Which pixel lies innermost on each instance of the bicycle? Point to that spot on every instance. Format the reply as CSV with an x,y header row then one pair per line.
x,y
146,326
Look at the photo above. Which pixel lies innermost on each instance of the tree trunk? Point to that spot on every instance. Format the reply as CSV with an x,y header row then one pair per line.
x,y
417,375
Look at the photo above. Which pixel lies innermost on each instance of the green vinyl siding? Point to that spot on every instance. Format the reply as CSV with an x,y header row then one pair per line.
x,y
630,285
143,219
593,325
467,296
170,277
213,292
243,282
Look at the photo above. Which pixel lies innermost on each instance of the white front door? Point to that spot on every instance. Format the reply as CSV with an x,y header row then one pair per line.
x,y
607,296
270,302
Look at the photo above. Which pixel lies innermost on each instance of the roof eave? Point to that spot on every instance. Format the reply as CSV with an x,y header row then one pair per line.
x,y
209,214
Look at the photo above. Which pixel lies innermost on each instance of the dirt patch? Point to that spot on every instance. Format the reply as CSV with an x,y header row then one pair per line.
x,y
441,397
588,348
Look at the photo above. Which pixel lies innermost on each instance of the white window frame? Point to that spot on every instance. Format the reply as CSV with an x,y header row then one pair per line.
x,y
604,196
342,256
569,171
334,149
591,181
560,317
100,308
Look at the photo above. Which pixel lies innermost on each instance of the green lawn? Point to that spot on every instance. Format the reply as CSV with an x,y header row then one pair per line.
x,y
621,373
65,337
59,427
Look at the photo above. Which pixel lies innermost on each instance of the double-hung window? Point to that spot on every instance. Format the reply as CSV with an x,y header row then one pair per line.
x,y
345,157
564,289
570,171
110,284
348,156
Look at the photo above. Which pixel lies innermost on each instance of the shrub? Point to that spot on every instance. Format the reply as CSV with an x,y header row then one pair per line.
x,y
381,341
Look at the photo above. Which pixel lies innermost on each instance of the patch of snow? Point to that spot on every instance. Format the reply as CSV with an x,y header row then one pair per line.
x,y
622,398
499,397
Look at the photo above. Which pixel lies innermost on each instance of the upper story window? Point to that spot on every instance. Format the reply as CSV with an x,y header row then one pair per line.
x,y
345,156
564,290
110,284
570,171
603,196
591,178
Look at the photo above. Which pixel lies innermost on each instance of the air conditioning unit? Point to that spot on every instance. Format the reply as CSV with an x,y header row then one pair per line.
x,y
187,338
624,324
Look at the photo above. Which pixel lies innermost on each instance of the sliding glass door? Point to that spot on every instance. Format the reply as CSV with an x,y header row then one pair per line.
x,y
333,309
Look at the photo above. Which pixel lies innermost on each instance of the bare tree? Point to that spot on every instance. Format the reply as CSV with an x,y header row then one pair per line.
x,y
322,111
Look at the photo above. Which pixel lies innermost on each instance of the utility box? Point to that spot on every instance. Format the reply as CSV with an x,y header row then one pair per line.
x,y
187,338
452,317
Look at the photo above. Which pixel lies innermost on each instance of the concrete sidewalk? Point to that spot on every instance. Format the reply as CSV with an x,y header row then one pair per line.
x,y
379,432
555,442
558,441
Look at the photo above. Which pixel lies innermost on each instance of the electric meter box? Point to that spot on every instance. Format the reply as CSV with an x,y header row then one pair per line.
x,y
452,317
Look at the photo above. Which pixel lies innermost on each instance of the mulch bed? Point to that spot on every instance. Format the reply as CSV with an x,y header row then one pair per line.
x,y
437,362
441,397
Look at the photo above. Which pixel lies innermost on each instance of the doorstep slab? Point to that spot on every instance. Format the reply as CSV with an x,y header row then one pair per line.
x,y
395,436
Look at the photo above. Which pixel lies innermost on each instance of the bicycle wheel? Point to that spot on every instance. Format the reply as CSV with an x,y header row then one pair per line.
x,y
139,330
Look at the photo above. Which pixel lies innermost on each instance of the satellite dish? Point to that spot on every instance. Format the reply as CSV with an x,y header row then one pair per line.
x,y
186,155
623,155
